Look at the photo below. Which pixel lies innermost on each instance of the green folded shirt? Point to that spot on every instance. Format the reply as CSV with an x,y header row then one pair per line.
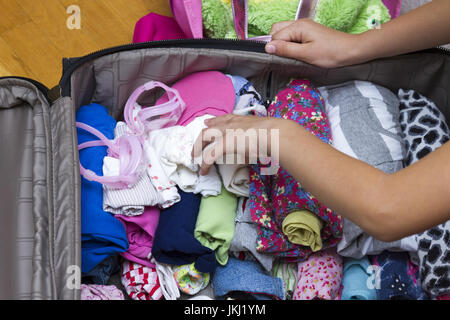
x,y
216,223
303,228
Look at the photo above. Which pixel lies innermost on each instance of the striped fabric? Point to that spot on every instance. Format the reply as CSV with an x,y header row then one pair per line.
x,y
364,121
131,201
141,283
288,273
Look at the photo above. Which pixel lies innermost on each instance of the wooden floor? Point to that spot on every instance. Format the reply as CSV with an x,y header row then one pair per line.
x,y
34,36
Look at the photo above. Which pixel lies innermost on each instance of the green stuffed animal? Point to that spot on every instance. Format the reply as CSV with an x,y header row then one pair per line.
x,y
262,14
351,16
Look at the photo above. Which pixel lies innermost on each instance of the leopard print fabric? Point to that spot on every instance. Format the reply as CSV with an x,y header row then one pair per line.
x,y
425,129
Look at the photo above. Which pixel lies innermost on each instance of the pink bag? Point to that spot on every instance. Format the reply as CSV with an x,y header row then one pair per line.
x,y
188,14
148,28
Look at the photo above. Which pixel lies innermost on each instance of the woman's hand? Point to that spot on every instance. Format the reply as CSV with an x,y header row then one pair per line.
x,y
245,138
313,43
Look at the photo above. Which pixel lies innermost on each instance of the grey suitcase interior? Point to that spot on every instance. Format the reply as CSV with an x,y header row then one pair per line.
x,y
40,234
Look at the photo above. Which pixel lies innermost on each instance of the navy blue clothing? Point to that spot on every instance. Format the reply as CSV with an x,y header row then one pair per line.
x,y
174,242
399,277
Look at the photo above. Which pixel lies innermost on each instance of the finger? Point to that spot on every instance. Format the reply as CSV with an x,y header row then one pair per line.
x,y
292,32
280,25
290,50
210,155
203,140
220,121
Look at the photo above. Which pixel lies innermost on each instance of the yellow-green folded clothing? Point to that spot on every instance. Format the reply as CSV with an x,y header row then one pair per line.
x,y
216,223
303,228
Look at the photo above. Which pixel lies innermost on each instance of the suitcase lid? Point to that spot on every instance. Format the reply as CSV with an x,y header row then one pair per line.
x,y
38,198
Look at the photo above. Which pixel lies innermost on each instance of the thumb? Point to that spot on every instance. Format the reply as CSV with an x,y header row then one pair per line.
x,y
288,49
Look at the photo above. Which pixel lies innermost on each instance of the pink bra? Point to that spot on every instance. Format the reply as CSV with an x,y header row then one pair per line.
x,y
128,148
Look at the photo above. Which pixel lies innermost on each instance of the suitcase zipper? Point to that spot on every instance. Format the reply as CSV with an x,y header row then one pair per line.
x,y
41,87
70,65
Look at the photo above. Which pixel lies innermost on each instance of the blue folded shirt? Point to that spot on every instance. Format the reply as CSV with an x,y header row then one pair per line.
x,y
102,235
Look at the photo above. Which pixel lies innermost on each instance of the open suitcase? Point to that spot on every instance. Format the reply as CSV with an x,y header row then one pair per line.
x,y
40,234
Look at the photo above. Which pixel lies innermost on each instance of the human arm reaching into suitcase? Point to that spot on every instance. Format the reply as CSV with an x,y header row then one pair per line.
x,y
387,206
306,40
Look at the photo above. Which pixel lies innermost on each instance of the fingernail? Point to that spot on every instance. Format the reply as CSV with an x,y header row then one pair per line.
x,y
270,48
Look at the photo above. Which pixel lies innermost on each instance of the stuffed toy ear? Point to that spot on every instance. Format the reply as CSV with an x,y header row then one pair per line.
x,y
373,15
339,14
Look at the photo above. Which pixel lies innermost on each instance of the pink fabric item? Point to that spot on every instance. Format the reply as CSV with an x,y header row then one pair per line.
x,y
320,276
155,27
208,92
99,292
394,7
444,297
140,282
140,232
188,14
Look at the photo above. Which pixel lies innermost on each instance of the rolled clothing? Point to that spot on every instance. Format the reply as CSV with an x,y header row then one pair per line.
x,y
236,178
245,237
425,130
246,277
102,272
100,292
364,121
303,228
204,93
287,272
129,201
174,242
101,234
140,233
140,282
169,286
190,281
154,147
248,100
273,197
357,283
215,225
320,276
398,278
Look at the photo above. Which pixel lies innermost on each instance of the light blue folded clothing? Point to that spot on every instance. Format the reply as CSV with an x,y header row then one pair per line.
x,y
357,280
246,277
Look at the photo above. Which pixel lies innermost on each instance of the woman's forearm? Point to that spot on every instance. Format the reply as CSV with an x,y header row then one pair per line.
x,y
422,28
388,207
